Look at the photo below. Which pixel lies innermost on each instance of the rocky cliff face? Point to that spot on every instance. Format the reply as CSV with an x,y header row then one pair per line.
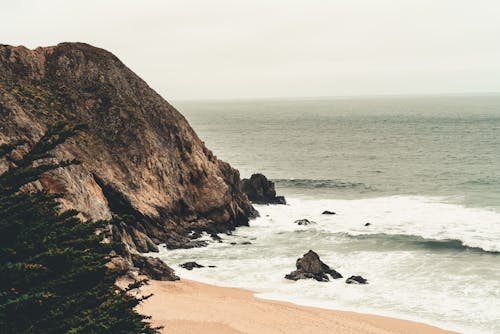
x,y
139,155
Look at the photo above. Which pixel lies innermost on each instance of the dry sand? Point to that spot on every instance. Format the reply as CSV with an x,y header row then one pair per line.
x,y
196,308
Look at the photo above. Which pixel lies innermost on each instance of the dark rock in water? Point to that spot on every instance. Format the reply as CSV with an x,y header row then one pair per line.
x,y
326,212
212,266
191,265
304,222
260,190
215,237
246,243
356,280
367,224
195,235
154,268
233,243
310,266
176,241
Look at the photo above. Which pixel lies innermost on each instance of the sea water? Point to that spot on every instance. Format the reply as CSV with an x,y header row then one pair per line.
x,y
424,171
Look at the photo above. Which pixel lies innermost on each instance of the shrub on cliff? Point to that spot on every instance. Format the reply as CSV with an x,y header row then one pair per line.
x,y
53,274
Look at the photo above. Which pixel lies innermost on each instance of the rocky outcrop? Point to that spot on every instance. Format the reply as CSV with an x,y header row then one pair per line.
x,y
260,190
191,265
154,268
356,280
140,158
304,222
327,212
310,266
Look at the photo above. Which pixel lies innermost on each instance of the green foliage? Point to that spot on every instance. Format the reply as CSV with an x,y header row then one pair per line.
x,y
53,277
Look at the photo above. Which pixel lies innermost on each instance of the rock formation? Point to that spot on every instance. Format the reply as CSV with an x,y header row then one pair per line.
x,y
356,280
191,265
140,158
310,266
326,212
153,267
260,190
304,222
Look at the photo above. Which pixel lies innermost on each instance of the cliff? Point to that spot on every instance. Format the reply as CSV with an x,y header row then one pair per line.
x,y
140,158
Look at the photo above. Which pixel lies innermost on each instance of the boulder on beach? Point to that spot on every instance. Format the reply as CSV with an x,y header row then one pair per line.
x,y
326,212
310,266
191,265
153,267
356,280
304,222
260,190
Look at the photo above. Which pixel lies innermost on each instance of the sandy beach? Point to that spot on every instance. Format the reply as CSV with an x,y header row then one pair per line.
x,y
191,307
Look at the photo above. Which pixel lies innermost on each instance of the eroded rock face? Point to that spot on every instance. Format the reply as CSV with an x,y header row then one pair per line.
x,y
140,157
310,266
260,190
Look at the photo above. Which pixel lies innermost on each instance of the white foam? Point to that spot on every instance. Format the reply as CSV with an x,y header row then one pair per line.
x,y
428,217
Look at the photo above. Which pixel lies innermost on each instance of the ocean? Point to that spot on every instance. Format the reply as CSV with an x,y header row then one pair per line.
x,y
424,171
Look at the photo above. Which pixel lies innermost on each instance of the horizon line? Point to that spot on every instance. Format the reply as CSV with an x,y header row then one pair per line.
x,y
325,97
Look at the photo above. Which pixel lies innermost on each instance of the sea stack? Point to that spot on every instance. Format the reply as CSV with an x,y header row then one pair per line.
x,y
260,190
311,266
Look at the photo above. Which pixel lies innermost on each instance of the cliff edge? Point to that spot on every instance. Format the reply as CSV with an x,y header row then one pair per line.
x,y
140,158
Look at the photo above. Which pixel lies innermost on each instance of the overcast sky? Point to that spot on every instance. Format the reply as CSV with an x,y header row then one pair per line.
x,y
190,49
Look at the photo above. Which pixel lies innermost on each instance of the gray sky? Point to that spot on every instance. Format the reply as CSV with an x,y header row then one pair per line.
x,y
191,49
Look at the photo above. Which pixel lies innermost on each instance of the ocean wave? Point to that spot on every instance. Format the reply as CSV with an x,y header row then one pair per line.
x,y
316,184
488,180
405,240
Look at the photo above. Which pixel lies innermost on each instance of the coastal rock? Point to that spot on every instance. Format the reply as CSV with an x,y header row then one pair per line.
x,y
175,240
260,190
191,265
367,224
216,237
304,222
310,266
326,212
154,268
139,156
356,280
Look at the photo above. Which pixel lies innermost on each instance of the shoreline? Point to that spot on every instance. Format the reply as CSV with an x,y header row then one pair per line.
x,y
188,306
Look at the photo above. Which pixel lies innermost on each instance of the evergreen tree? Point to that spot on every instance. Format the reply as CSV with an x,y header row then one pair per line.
x,y
53,277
